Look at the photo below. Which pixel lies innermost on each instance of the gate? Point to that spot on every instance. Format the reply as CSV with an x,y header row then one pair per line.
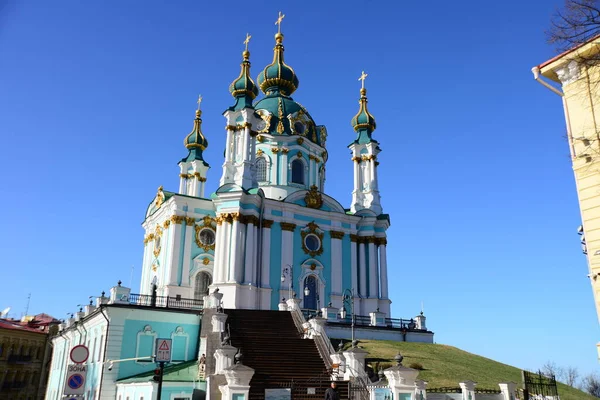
x,y
539,386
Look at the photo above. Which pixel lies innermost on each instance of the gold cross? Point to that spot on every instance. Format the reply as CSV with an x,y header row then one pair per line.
x,y
199,101
278,22
247,40
362,78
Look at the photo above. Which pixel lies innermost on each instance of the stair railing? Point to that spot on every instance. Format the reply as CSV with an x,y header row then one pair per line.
x,y
321,339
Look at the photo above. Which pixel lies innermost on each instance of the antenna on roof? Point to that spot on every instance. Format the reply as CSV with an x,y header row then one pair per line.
x,y
27,306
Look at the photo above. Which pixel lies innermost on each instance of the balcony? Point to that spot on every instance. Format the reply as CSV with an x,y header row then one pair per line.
x,y
178,302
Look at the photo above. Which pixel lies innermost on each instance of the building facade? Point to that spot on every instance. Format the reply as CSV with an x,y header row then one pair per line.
x,y
270,218
25,353
578,82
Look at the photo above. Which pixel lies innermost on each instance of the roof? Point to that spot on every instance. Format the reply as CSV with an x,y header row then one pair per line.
x,y
547,67
18,326
184,372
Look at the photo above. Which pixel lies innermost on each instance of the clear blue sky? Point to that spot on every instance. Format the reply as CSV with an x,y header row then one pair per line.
x,y
98,96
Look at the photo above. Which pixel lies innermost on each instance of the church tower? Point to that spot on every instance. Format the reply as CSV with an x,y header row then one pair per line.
x,y
365,195
238,168
193,168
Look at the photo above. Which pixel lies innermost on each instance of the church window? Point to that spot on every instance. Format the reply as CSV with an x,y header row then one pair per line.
x,y
298,172
180,345
145,343
299,127
261,169
203,281
207,237
312,242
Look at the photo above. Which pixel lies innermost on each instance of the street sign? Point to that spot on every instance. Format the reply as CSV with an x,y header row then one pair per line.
x,y
75,381
79,354
163,350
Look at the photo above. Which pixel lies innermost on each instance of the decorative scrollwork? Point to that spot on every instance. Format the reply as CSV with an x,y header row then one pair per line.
x,y
312,229
313,198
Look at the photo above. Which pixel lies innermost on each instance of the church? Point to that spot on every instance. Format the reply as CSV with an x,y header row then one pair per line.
x,y
270,216
239,270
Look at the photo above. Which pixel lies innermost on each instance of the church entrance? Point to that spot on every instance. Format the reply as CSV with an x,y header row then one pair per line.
x,y
203,281
311,292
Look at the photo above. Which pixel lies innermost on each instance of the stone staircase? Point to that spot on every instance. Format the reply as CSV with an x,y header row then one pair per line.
x,y
271,344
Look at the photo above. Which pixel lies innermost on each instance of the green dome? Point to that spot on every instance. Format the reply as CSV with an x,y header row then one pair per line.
x,y
286,117
278,76
195,142
243,88
363,122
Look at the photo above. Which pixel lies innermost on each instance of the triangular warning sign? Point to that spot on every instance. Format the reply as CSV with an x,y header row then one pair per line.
x,y
164,346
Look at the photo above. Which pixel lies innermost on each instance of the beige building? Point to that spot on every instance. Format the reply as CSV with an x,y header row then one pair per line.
x,y
576,79
25,352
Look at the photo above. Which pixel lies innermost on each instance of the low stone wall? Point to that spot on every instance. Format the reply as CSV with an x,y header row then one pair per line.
x,y
343,331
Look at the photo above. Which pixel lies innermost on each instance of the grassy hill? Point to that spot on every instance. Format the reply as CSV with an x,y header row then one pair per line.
x,y
445,366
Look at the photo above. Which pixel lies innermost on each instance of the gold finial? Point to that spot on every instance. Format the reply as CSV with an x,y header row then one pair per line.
x,y
278,22
248,36
362,78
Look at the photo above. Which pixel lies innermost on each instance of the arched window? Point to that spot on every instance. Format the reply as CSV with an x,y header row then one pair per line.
x,y
203,281
310,285
261,169
298,172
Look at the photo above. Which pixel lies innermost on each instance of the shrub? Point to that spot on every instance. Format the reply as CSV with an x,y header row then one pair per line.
x,y
416,365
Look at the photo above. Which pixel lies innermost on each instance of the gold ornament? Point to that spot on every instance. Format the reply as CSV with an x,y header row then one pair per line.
x,y
313,198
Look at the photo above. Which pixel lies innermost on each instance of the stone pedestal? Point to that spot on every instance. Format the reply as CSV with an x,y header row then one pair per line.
x,y
282,306
402,380
377,318
293,304
89,309
421,389
101,300
218,322
508,390
318,325
119,294
224,358
355,363
420,322
238,382
339,360
468,389
213,300
330,313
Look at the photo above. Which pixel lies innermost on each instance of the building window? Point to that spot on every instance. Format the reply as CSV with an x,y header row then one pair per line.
x,y
203,281
261,169
180,345
298,172
145,344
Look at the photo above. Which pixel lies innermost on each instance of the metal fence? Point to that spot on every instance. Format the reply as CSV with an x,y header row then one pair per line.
x,y
147,300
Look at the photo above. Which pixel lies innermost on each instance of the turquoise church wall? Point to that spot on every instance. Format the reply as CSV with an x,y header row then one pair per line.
x,y
346,263
275,264
163,329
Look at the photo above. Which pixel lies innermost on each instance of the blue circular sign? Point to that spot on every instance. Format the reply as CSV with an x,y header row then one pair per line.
x,y
75,381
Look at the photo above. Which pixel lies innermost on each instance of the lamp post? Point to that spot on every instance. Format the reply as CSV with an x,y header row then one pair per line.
x,y
348,300
288,273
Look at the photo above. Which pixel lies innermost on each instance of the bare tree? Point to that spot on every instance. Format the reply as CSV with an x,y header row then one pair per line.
x,y
551,369
571,375
591,384
577,23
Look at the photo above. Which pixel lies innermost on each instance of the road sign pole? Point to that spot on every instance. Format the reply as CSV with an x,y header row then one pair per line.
x,y
162,371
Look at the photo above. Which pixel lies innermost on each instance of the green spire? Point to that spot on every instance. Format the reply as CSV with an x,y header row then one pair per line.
x,y
243,88
195,142
363,122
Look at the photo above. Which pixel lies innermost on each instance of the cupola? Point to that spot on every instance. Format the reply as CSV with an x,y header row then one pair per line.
x,y
363,122
195,142
243,88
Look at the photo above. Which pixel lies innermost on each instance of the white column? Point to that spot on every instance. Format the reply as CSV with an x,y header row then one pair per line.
x,y
228,146
353,263
240,251
362,267
174,244
219,247
356,174
250,256
187,256
283,159
226,250
383,268
233,249
336,262
373,278
266,254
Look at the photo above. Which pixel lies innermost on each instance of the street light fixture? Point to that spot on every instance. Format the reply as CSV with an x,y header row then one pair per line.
x,y
348,300
306,291
288,274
